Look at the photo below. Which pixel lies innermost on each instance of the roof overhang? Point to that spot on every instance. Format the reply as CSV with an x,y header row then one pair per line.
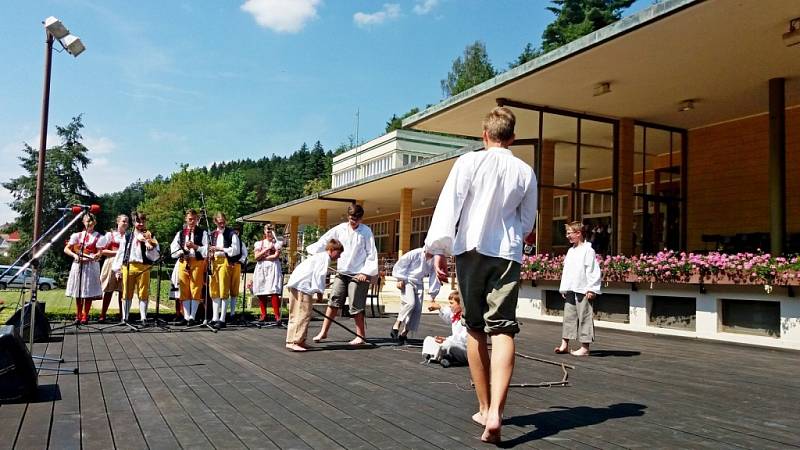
x,y
721,53
380,192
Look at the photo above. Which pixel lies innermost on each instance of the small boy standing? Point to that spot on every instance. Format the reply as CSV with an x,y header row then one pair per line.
x,y
307,280
451,349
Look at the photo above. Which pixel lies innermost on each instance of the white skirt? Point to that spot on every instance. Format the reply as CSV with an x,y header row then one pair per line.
x,y
84,281
268,278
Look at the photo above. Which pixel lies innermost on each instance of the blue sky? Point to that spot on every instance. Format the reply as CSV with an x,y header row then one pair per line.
x,y
164,83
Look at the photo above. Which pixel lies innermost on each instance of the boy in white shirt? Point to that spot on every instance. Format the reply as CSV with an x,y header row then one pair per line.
x,y
307,280
491,196
580,285
410,271
451,349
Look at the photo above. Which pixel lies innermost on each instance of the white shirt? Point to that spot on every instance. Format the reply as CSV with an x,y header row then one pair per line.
x,y
231,251
491,196
243,256
414,267
135,252
581,272
458,332
359,255
309,276
175,247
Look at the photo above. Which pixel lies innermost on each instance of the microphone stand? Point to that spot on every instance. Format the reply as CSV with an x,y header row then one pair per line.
x,y
206,293
33,263
125,280
158,322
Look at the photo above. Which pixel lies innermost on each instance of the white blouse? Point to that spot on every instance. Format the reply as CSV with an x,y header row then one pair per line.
x,y
581,272
491,195
359,255
414,267
310,275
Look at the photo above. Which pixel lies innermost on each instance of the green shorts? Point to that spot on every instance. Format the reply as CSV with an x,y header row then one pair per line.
x,y
489,288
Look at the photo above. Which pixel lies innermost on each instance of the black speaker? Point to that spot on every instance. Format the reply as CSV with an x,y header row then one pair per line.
x,y
42,331
17,372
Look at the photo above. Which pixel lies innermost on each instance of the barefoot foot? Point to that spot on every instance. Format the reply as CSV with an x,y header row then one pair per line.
x,y
296,348
580,352
319,338
479,419
491,434
357,341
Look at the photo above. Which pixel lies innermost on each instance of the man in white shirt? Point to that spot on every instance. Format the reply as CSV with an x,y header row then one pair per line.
x,y
137,253
491,195
355,267
224,252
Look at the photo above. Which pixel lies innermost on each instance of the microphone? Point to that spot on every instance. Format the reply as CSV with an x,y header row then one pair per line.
x,y
76,209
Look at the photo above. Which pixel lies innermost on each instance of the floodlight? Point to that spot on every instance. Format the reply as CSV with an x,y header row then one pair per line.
x,y
55,27
73,45
792,37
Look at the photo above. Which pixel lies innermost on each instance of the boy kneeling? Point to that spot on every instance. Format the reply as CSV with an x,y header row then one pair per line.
x,y
452,349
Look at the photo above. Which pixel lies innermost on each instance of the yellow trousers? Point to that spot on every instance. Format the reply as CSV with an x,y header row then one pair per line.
x,y
236,277
136,276
191,280
221,277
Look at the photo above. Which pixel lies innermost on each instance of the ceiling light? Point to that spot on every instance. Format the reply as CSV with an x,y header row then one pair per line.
x,y
686,105
602,88
422,202
792,37
377,210
55,27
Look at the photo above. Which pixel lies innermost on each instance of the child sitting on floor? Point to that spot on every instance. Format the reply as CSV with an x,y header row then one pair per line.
x,y
452,349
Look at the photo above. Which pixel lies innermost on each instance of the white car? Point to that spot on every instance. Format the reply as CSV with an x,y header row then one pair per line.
x,y
45,283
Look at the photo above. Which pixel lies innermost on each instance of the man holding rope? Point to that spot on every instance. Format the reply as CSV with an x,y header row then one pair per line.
x,y
491,195
357,264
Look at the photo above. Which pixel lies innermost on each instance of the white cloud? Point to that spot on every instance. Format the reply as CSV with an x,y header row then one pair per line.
x,y
389,11
99,145
282,16
425,6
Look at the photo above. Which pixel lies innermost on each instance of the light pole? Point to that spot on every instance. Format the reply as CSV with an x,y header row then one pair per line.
x,y
54,29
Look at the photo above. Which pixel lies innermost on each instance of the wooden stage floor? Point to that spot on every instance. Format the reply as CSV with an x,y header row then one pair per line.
x,y
240,388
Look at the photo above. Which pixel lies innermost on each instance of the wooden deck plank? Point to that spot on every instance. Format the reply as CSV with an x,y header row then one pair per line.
x,y
95,426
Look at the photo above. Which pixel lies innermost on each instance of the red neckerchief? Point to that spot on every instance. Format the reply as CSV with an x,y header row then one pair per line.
x,y
456,317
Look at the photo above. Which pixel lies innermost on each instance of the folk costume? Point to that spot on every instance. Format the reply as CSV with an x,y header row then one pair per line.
x,y
268,277
133,262
454,347
224,258
236,278
411,269
191,268
307,280
108,279
84,275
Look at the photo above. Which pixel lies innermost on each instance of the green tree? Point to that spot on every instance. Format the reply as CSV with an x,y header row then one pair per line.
x,y
470,69
122,202
577,18
528,53
396,123
63,185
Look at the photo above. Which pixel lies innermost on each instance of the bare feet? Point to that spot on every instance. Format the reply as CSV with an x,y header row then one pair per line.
x,y
479,419
296,348
357,341
491,434
561,349
583,351
319,338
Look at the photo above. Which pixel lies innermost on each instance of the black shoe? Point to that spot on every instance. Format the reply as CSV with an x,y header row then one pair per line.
x,y
444,362
191,323
213,323
393,334
401,339
219,324
182,322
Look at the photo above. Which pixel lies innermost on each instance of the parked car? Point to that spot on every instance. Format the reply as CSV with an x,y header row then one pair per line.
x,y
45,283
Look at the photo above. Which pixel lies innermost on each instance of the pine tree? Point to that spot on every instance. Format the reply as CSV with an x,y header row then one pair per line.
x,y
467,71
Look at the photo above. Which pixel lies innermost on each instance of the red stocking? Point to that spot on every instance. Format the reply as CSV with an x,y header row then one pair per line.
x,y
79,308
276,307
263,305
87,306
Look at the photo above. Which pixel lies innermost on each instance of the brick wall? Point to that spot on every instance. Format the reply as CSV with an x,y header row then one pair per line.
x,y
727,186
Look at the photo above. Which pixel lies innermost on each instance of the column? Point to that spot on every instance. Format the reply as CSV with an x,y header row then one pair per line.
x,y
294,224
777,165
322,220
544,227
405,221
624,222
